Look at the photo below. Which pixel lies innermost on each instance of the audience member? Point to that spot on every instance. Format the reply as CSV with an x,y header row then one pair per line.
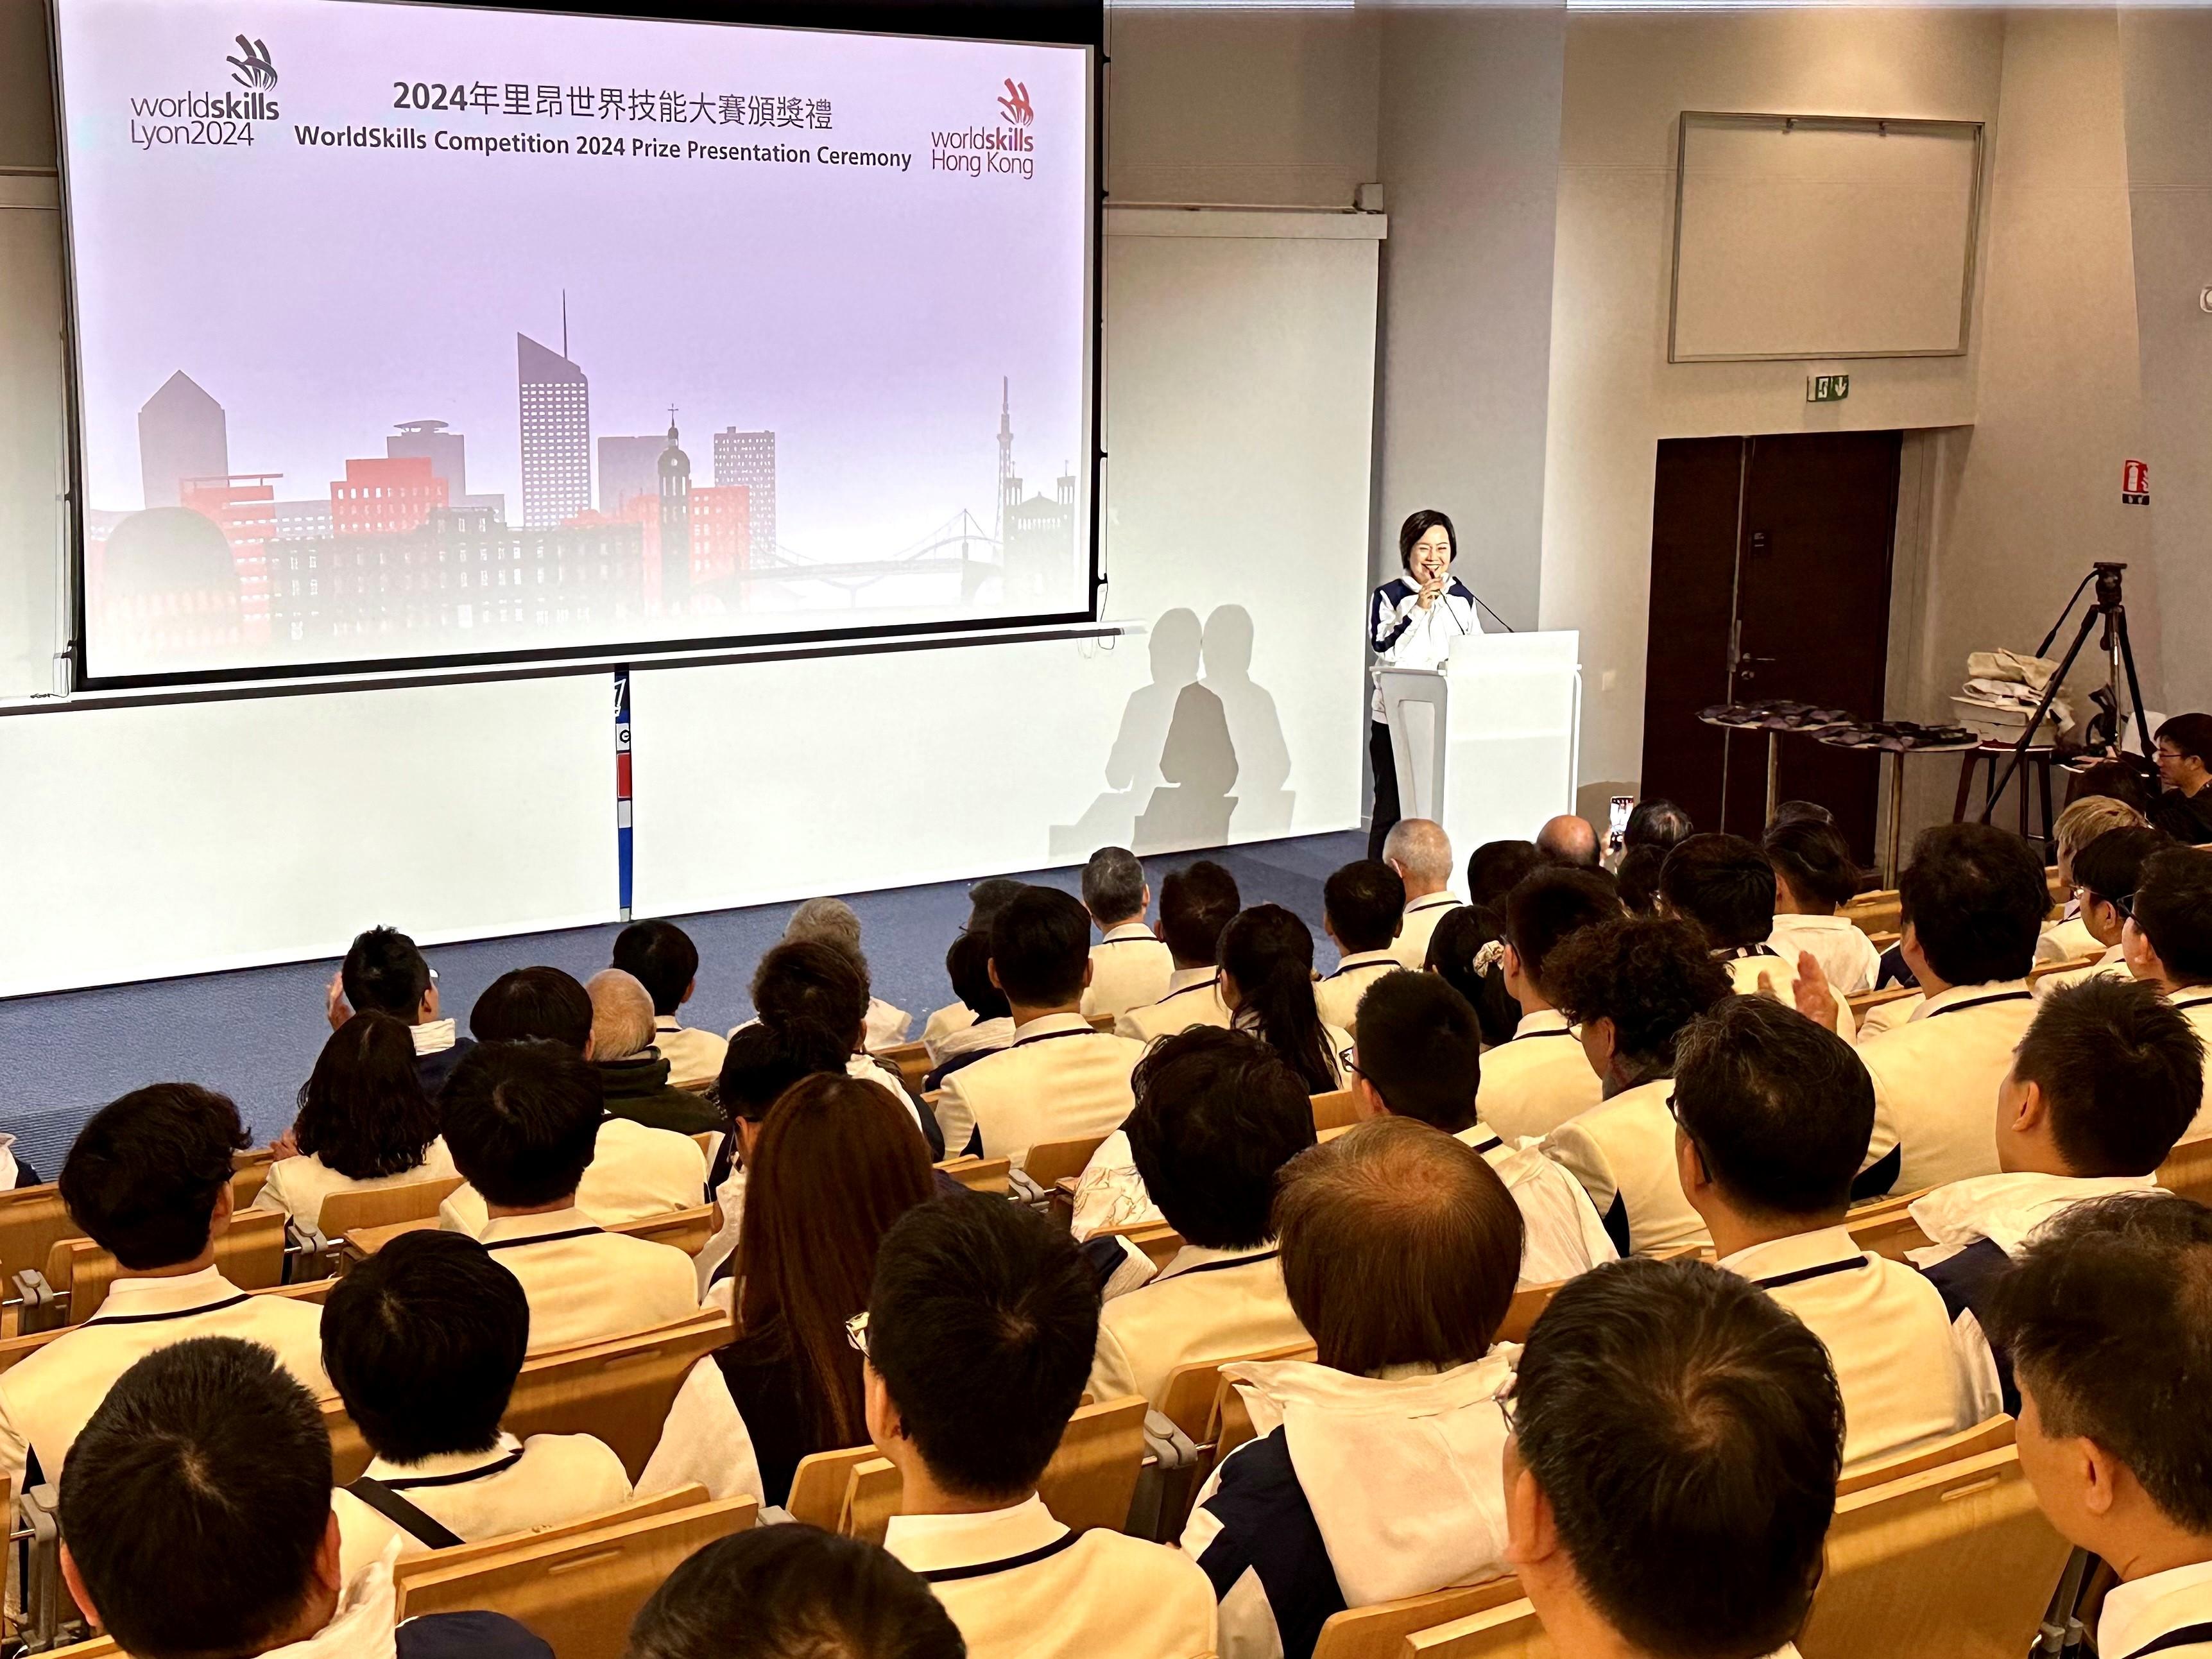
x,y
831,1172
2104,1083
1725,885
1773,1113
1656,823
384,973
1379,1476
1421,853
634,1080
1637,879
1632,986
1197,903
634,1170
148,1181
2104,1316
1973,900
978,1336
1361,905
763,1062
1420,1057
832,921
1494,868
1267,982
364,1123
1815,877
2129,780
1568,840
968,966
1217,1113
1799,811
1672,1471
197,1520
793,1592
1129,967
2081,823
2105,875
817,983
2183,811
1467,952
661,957
423,1342
2167,940
1060,1078
984,898
1540,1078
522,1119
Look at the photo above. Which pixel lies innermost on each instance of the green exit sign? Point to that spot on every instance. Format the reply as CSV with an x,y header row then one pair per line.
x,y
1827,388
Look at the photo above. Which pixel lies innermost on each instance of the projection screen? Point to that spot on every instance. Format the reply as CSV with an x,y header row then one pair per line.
x,y
412,333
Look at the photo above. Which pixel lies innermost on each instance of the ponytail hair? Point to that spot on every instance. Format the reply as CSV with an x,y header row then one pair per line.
x,y
1268,951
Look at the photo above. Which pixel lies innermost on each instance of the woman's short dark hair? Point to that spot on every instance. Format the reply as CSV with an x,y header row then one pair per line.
x,y
1400,1247
1812,855
793,1592
1636,879
1496,868
810,979
661,958
1418,524
542,1005
363,1110
968,965
1649,978
144,1175
1723,883
1217,1113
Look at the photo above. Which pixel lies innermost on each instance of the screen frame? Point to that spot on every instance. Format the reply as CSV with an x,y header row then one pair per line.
x,y
1064,24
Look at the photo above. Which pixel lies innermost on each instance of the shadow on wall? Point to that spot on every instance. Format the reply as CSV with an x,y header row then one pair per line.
x,y
1185,743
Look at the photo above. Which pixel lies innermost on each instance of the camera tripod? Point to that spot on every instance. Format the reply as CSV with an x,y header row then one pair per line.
x,y
2120,653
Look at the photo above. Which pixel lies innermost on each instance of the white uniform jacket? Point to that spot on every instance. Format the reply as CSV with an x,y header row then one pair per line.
x,y
1193,998
1839,945
693,1056
634,1172
298,1186
1205,1304
1537,1078
587,1285
1021,1586
1403,635
1129,967
1935,1082
2113,964
1622,1152
1561,1233
1061,1080
1337,994
2165,1614
1422,915
2195,1002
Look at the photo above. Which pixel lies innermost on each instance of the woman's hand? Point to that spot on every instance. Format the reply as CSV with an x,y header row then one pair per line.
x,y
1431,590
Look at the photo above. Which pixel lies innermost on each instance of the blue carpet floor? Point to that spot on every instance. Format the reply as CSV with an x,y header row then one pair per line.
x,y
254,1034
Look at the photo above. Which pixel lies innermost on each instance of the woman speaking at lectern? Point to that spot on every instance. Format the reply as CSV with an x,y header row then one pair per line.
x,y
1411,624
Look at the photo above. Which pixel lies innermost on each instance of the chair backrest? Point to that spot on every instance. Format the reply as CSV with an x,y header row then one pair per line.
x,y
981,1175
1155,1238
250,1255
1889,1231
1188,1401
249,1172
1511,1631
909,1060
578,1592
1952,1563
2044,970
675,1499
1380,1631
1055,1160
1093,1473
33,1220
1993,1435
1334,1110
98,1647
1528,1301
1877,912
619,1391
872,1491
1860,1001
687,1230
819,1485
379,1207
2188,1170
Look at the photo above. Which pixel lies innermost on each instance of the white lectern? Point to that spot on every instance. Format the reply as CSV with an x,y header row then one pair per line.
x,y
1486,744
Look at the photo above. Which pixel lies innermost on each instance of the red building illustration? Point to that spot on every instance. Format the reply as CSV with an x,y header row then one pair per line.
x,y
721,531
385,496
243,506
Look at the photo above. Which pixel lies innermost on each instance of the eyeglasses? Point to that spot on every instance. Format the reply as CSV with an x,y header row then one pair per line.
x,y
2124,905
856,1332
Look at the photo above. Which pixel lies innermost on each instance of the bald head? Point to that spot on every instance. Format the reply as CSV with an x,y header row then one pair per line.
x,y
1568,840
1400,1247
1419,850
621,1015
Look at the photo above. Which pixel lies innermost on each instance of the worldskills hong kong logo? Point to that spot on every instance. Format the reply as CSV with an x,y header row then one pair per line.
x,y
1003,147
1015,103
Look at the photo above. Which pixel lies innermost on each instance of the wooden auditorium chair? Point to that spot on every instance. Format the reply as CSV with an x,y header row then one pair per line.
x,y
1382,1631
2188,1170
250,1253
316,1248
1334,1110
981,1175
687,1230
1507,1631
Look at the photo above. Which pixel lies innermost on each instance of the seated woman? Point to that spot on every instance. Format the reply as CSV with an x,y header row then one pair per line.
x,y
1467,953
834,1166
1374,1471
364,1123
761,1065
1267,981
1815,877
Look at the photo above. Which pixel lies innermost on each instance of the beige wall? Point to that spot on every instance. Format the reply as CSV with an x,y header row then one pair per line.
x,y
27,108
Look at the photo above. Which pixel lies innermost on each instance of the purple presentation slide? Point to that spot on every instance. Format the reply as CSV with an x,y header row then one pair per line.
x,y
414,332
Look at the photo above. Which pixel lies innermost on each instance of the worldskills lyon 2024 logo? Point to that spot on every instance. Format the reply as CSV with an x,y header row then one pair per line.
x,y
201,120
1005,147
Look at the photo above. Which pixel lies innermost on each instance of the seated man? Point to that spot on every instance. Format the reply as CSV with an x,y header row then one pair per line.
x,y
1569,841
1672,1471
2185,768
1632,986
2084,818
793,1593
521,1120
1197,903
197,1520
2103,1083
148,1181
1217,1115
423,1342
661,957
384,973
1129,967
1361,905
984,898
1420,1057
1773,1114
978,1334
1973,900
815,982
2167,941
633,1078
1725,884
1378,1478
832,921
1539,1078
1815,877
968,965
1421,853
2104,1316
2106,873
761,1065
1496,868
1060,1079
635,1171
